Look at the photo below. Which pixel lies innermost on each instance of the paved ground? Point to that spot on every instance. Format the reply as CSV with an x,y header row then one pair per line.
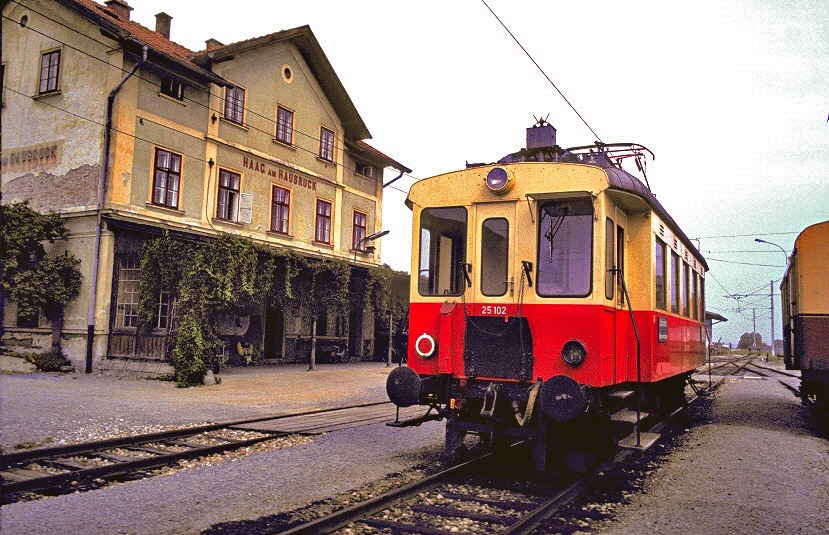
x,y
56,408
35,406
760,465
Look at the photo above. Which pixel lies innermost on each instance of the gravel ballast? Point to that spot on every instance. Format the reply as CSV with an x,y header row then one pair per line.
x,y
759,465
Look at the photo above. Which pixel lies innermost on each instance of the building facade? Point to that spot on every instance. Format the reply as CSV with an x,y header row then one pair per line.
x,y
129,135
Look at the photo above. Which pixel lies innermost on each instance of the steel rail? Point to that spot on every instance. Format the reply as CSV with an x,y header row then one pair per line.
x,y
123,467
531,521
7,459
19,479
343,517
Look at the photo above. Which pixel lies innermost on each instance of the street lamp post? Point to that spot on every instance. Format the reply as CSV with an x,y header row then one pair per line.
x,y
771,290
372,237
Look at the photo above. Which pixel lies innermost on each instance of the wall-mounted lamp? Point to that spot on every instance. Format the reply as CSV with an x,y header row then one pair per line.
x,y
214,118
371,237
211,163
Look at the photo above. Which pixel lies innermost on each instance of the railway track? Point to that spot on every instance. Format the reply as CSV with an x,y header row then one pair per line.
x,y
90,465
462,498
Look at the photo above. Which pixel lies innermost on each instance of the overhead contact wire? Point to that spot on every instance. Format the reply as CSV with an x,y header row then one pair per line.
x,y
542,71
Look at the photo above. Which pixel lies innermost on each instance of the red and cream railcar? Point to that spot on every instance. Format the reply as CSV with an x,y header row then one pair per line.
x,y
519,323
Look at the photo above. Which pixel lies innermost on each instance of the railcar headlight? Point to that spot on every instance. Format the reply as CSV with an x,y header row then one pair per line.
x,y
573,353
499,180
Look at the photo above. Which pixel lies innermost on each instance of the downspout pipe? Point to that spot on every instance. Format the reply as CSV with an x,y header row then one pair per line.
x,y
96,247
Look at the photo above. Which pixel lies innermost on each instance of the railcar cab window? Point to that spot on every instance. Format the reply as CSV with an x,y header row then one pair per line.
x,y
565,248
494,256
442,251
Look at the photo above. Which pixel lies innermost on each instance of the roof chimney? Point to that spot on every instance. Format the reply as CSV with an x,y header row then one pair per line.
x,y
162,24
121,7
213,44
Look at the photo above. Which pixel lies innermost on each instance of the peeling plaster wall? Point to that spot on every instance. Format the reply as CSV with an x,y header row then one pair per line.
x,y
69,119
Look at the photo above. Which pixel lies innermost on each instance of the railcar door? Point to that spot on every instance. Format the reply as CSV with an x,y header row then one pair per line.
x,y
494,286
622,326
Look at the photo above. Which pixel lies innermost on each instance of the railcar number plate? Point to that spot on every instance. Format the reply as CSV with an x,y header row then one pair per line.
x,y
493,310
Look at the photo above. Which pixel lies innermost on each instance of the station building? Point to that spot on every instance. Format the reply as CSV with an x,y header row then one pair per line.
x,y
118,128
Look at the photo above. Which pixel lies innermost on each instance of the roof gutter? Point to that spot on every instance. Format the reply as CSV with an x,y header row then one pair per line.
x,y
96,248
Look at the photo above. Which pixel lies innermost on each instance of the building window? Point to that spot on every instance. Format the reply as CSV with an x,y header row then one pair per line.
x,y
49,72
326,144
281,210
323,226
172,87
364,169
228,204
284,125
675,283
28,321
235,105
126,307
660,269
167,178
161,318
359,231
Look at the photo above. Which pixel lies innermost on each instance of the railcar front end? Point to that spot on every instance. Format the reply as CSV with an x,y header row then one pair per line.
x,y
531,281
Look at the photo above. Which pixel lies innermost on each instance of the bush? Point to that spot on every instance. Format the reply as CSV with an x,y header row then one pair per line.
x,y
49,362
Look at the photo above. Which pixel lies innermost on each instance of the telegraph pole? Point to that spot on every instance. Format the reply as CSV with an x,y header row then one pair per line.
x,y
771,306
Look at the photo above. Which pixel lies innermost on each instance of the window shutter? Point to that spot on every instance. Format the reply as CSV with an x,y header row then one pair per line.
x,y
245,208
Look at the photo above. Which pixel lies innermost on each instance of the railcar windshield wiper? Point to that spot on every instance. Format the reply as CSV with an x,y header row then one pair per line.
x,y
556,220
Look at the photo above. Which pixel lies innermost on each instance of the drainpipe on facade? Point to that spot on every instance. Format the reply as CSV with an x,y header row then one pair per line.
x,y
96,248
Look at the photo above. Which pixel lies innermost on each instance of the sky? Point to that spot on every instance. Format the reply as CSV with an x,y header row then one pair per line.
x,y
732,96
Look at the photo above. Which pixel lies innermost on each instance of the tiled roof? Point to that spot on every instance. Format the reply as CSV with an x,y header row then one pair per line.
x,y
142,34
388,160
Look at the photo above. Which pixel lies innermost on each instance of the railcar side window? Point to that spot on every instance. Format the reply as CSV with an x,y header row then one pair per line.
x,y
565,248
674,283
659,282
442,251
686,301
695,296
494,256
609,246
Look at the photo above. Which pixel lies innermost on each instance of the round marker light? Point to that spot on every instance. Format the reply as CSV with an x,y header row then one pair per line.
x,y
498,180
573,353
425,346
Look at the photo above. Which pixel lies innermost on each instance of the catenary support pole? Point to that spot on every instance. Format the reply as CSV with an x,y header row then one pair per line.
x,y
388,361
771,307
313,344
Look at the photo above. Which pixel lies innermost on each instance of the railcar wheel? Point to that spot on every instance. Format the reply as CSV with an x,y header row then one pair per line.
x,y
582,443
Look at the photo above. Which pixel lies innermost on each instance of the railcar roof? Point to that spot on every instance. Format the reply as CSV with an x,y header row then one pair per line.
x,y
618,180
624,181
